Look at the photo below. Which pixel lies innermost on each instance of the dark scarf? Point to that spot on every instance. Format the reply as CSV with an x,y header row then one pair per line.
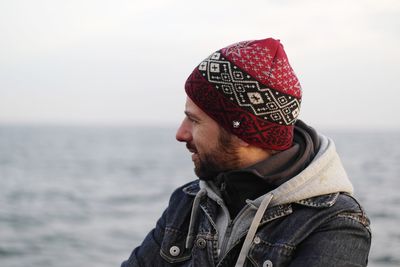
x,y
252,182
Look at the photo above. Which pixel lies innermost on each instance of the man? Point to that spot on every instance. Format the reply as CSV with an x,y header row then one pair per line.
x,y
271,190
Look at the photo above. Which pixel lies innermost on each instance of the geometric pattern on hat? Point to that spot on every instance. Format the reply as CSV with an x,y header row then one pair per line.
x,y
245,91
266,61
252,129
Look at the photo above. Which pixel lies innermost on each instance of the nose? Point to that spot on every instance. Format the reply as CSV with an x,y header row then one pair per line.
x,y
184,133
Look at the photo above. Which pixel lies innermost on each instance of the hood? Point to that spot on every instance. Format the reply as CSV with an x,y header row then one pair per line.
x,y
324,175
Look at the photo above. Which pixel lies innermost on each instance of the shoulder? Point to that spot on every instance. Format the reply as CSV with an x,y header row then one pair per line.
x,y
337,234
352,210
181,199
188,190
335,201
336,207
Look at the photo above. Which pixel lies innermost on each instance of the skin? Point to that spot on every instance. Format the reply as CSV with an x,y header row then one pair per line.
x,y
213,149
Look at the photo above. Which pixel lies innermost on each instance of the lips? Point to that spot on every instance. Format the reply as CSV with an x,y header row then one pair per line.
x,y
192,149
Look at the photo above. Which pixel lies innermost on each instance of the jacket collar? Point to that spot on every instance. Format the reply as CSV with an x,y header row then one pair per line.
x,y
323,201
192,188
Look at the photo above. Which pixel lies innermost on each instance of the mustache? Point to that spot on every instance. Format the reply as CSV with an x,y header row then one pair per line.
x,y
191,147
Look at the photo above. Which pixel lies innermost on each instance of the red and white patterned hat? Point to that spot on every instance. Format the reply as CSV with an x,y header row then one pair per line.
x,y
250,89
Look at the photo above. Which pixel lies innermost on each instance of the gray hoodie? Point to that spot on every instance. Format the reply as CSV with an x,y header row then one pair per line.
x,y
324,175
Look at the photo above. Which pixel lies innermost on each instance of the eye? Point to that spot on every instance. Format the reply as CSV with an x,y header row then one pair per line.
x,y
192,120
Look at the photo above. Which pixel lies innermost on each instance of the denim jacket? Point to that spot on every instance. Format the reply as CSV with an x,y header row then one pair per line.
x,y
328,230
310,220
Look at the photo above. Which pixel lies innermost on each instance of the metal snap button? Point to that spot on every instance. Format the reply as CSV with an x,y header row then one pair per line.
x,y
257,240
174,251
201,243
267,263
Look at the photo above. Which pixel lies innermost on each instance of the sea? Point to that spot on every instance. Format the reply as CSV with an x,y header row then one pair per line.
x,y
87,196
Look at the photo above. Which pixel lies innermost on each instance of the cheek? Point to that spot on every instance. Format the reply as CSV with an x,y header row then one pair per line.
x,y
204,145
205,137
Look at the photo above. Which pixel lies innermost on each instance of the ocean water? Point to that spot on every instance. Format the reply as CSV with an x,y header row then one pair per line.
x,y
86,196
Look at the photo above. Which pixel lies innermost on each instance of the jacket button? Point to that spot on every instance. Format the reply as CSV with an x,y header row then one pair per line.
x,y
267,263
201,243
257,240
174,251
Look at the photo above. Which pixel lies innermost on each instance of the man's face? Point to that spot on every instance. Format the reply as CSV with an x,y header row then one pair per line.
x,y
213,149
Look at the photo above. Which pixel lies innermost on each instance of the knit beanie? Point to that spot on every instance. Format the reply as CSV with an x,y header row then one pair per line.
x,y
250,90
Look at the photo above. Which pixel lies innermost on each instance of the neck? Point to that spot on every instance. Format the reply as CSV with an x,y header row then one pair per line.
x,y
250,155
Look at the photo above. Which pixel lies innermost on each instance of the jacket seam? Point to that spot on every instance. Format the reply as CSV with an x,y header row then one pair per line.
x,y
355,217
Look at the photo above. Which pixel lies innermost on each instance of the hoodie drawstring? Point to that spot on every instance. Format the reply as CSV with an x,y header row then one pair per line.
x,y
193,216
253,229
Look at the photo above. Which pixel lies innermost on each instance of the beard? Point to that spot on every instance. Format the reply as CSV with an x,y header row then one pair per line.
x,y
222,158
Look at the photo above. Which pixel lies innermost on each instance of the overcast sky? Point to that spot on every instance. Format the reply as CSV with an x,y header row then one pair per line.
x,y
125,62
